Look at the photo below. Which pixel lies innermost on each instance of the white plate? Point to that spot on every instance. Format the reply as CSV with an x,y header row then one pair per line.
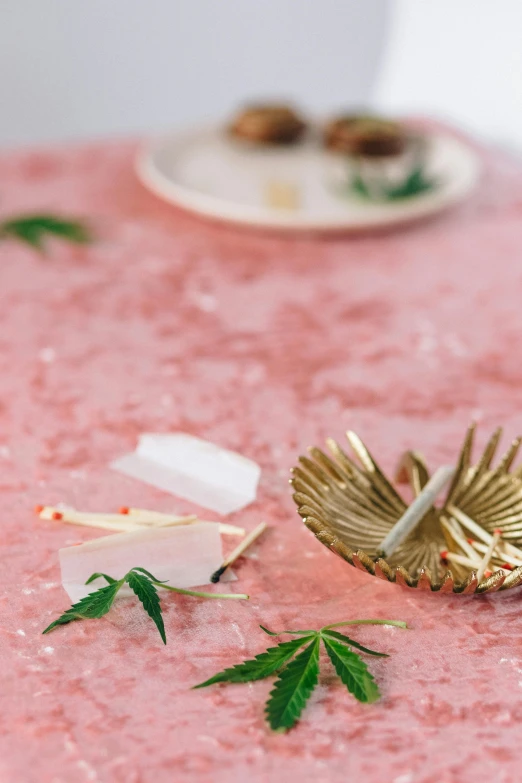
x,y
207,173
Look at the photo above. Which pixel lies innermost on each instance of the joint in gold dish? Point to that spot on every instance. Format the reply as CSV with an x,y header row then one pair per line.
x,y
470,542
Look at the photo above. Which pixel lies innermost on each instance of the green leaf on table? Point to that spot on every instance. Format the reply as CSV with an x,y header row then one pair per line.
x,y
263,665
352,670
293,688
92,606
35,229
298,676
143,584
148,595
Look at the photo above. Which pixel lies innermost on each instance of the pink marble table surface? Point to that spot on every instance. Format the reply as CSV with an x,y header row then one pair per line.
x,y
264,345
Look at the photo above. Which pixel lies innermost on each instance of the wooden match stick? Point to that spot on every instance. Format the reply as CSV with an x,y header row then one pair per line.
x,y
161,518
238,551
414,513
456,533
479,531
143,516
470,524
501,555
495,538
126,521
104,521
453,557
514,551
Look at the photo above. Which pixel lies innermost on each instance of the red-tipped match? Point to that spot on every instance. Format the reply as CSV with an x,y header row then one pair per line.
x,y
123,510
507,566
444,555
497,531
38,509
56,515
471,541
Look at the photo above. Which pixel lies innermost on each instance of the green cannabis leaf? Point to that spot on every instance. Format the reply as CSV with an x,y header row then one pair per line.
x,y
375,189
143,584
35,229
298,676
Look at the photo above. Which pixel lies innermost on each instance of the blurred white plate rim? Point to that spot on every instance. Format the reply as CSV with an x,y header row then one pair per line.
x,y
203,171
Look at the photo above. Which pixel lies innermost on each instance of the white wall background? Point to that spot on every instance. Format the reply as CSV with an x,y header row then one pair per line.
x,y
78,68
459,59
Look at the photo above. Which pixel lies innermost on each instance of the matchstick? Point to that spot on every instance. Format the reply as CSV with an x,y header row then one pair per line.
x,y
238,551
453,557
161,518
103,521
513,550
458,537
502,553
470,524
495,538
414,513
125,521
480,532
143,516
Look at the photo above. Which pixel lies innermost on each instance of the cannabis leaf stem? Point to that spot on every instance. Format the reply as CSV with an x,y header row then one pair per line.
x,y
298,676
143,584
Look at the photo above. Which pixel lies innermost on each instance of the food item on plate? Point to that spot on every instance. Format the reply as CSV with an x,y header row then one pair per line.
x,y
268,124
282,195
365,136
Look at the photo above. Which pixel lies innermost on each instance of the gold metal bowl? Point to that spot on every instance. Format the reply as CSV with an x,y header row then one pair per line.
x,y
351,507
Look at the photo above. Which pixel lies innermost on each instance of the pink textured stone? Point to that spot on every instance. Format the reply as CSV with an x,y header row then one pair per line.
x,y
263,345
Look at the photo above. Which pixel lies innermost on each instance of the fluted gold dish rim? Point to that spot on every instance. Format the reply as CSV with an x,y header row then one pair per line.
x,y
350,506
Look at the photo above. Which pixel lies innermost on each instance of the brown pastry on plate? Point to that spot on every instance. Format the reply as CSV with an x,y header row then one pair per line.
x,y
365,136
268,124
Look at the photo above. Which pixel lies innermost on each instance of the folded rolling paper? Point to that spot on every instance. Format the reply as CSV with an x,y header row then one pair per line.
x,y
186,556
194,469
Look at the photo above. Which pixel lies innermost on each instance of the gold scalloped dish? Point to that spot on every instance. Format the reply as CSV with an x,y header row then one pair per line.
x,y
350,506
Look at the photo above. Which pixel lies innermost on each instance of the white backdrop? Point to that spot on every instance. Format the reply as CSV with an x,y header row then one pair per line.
x,y
459,59
78,68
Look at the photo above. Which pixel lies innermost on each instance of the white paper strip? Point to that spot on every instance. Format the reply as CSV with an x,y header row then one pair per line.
x,y
194,469
186,556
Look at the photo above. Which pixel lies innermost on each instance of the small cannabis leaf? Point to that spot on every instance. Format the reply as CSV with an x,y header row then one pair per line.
x,y
298,676
143,584
35,229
